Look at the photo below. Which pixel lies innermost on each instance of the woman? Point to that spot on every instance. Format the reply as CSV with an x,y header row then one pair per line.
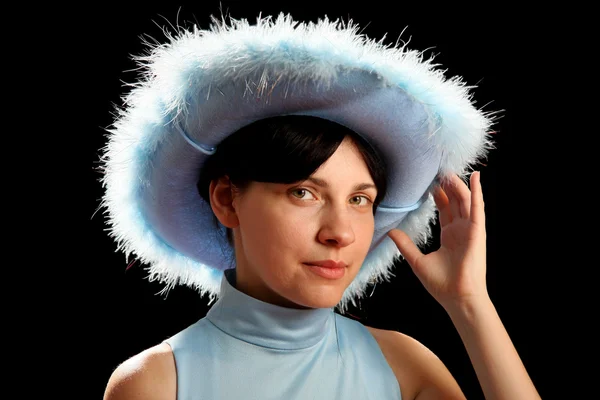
x,y
275,166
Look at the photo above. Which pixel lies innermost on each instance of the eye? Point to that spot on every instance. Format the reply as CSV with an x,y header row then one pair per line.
x,y
367,200
299,191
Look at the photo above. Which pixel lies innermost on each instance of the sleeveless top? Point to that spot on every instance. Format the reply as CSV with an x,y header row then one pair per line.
x,y
247,349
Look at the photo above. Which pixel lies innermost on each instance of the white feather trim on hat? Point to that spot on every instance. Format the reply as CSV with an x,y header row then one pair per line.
x,y
195,69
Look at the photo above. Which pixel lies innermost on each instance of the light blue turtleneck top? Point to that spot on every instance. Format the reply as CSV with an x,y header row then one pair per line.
x,y
247,349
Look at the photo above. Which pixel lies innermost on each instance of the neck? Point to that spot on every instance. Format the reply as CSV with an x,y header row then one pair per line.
x,y
264,324
258,290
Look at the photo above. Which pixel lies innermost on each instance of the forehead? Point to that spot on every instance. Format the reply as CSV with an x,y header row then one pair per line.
x,y
347,162
345,169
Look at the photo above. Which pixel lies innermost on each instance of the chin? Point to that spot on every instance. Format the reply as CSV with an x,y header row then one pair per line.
x,y
320,299
329,304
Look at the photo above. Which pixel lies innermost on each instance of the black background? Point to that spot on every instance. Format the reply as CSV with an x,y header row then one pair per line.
x,y
495,49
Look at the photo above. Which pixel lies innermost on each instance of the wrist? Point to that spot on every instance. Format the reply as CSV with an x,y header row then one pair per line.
x,y
468,309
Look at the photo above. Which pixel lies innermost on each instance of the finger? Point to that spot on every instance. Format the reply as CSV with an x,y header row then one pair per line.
x,y
477,204
407,247
452,201
461,196
443,205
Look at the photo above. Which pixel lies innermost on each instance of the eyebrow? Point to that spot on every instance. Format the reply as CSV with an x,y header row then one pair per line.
x,y
323,183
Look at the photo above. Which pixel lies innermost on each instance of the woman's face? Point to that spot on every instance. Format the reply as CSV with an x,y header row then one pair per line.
x,y
280,227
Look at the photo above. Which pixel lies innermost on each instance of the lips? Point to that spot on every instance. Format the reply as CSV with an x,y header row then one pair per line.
x,y
328,264
330,273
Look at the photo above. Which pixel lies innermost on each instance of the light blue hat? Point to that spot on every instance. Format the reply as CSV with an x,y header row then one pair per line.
x,y
206,84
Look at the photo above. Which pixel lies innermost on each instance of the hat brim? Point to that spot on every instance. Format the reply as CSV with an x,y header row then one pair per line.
x,y
206,85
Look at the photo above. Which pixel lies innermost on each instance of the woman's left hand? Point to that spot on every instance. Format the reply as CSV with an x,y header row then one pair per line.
x,y
455,274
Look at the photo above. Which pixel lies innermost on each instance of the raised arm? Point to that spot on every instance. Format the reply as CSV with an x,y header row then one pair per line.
x,y
455,275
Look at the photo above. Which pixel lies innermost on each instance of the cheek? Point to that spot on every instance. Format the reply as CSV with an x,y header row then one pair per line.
x,y
367,227
364,228
271,233
289,232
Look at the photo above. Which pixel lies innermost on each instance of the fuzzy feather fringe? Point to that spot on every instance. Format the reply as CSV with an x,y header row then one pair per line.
x,y
162,94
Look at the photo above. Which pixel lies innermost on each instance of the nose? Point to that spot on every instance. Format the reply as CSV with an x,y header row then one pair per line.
x,y
336,228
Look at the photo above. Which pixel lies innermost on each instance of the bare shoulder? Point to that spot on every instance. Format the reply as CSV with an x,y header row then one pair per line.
x,y
420,373
149,375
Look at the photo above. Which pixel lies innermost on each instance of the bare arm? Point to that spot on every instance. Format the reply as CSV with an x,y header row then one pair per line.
x,y
149,375
499,368
420,373
455,275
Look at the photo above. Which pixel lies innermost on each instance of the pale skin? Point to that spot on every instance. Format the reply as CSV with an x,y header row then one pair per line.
x,y
306,222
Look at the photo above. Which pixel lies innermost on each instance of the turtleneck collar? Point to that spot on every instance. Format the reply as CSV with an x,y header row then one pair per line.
x,y
265,324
